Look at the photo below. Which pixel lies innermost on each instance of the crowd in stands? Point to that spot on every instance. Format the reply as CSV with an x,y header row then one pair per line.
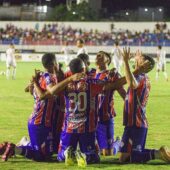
x,y
54,34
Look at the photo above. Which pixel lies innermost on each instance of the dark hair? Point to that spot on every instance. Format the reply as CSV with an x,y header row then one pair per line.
x,y
151,61
116,43
48,59
159,46
76,65
81,41
60,72
85,58
107,55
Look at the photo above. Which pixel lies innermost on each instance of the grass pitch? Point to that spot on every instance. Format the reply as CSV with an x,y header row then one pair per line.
x,y
16,106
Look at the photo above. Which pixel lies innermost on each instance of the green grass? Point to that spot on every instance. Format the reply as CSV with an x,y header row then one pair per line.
x,y
16,106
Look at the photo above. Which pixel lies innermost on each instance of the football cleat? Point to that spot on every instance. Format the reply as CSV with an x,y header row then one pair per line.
x,y
165,153
69,156
81,159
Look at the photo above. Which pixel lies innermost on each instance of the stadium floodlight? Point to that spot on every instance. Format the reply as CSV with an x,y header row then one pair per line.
x,y
48,0
146,9
160,9
127,13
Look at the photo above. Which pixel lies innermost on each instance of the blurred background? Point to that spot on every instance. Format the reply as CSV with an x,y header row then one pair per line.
x,y
44,25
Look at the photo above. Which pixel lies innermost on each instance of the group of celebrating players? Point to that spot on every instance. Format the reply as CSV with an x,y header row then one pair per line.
x,y
73,113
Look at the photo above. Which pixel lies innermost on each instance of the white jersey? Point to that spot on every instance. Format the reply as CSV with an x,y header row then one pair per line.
x,y
10,57
161,54
82,50
116,53
67,51
117,58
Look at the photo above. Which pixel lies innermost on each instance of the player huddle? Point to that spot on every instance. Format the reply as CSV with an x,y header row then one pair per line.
x,y
73,113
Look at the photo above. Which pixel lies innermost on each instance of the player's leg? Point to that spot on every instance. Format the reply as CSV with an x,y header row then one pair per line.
x,y
164,72
40,147
157,71
105,137
125,146
141,155
8,69
68,143
87,146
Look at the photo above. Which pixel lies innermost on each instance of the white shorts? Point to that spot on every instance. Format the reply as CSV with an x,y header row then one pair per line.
x,y
11,63
161,67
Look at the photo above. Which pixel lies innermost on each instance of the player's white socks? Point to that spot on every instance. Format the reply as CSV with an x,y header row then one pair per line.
x,y
8,73
14,73
165,74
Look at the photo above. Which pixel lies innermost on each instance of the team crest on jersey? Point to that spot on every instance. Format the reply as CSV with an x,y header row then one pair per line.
x,y
82,86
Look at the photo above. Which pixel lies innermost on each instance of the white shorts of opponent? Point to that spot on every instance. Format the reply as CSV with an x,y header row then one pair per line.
x,y
11,63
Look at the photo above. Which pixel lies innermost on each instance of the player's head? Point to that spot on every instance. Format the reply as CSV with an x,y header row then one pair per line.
x,y
49,61
66,43
103,59
80,43
12,45
159,47
76,65
141,59
85,59
116,43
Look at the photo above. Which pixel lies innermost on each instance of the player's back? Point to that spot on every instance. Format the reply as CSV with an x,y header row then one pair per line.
x,y
81,115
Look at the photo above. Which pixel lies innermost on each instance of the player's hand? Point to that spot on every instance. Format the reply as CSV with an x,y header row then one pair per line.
x,y
77,76
138,53
37,75
126,54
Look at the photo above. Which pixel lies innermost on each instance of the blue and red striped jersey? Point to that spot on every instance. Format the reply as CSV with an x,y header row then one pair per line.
x,y
106,98
44,110
135,103
81,105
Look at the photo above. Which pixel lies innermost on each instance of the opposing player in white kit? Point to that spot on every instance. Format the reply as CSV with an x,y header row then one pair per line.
x,y
117,57
80,45
10,61
161,62
66,50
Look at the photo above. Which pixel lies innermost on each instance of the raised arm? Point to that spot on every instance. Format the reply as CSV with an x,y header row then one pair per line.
x,y
131,81
62,85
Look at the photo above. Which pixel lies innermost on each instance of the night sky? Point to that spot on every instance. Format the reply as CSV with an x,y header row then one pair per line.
x,y
111,5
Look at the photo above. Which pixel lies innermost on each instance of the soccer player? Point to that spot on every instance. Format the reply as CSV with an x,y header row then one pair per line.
x,y
67,57
135,121
10,61
161,62
80,45
81,115
106,112
40,124
117,57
